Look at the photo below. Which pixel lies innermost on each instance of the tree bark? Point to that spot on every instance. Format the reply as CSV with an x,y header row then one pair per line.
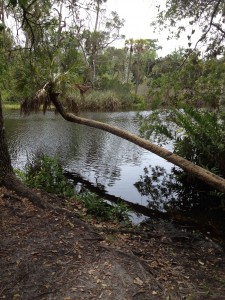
x,y
7,175
5,162
189,167
129,63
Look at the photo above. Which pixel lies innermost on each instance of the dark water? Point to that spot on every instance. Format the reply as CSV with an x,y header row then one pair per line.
x,y
102,160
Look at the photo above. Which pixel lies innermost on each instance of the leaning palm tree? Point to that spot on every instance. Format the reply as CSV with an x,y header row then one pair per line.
x,y
50,94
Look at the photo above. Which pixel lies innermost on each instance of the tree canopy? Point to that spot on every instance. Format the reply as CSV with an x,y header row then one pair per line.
x,y
206,15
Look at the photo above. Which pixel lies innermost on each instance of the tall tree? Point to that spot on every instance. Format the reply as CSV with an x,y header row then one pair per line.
x,y
94,40
140,48
129,47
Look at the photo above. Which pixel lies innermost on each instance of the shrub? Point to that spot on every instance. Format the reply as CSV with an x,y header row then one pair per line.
x,y
103,211
46,173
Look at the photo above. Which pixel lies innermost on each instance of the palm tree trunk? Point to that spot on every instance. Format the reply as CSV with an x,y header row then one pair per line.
x,y
129,63
189,167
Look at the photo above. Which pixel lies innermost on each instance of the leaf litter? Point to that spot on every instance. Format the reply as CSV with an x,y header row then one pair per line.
x,y
53,255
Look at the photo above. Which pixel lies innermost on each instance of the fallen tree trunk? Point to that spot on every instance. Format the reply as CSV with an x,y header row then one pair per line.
x,y
195,170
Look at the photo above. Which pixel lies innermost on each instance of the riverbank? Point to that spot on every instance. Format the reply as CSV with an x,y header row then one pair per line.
x,y
97,101
57,255
12,106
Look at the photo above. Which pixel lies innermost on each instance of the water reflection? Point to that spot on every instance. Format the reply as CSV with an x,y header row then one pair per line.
x,y
98,156
177,193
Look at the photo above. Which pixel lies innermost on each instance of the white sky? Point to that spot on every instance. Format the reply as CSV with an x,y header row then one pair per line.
x,y
138,15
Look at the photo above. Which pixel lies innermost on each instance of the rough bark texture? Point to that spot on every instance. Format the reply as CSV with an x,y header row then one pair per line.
x,y
196,171
5,162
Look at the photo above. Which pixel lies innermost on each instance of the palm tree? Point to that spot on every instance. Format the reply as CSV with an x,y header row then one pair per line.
x,y
47,96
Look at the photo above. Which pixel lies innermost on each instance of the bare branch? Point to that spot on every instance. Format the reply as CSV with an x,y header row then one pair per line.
x,y
218,27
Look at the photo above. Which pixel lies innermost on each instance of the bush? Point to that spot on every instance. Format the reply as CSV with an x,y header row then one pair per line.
x,y
46,173
103,211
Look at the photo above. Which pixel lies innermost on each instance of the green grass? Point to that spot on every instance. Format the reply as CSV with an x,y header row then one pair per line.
x,y
14,106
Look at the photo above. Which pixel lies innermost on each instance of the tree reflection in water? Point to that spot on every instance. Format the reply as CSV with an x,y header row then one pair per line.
x,y
180,193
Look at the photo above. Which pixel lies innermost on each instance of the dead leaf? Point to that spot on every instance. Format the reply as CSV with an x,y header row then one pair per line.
x,y
201,263
71,224
138,281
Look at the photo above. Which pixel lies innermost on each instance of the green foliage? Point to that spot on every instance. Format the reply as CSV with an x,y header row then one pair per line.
x,y
103,211
182,195
46,173
198,135
97,100
14,3
139,102
113,84
194,81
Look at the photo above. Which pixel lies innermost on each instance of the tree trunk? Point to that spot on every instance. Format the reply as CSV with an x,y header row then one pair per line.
x,y
97,16
137,81
7,175
194,170
5,162
2,12
129,64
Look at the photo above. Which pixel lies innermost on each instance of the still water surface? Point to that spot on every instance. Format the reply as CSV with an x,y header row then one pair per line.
x,y
99,157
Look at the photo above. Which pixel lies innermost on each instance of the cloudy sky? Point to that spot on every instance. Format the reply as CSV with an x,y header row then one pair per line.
x,y
138,15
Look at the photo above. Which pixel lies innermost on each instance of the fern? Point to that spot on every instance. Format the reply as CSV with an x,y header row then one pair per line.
x,y
198,135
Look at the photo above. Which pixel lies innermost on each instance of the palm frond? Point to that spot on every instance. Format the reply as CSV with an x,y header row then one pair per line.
x,y
40,101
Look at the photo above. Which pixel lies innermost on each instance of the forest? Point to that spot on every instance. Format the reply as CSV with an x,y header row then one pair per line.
x,y
60,56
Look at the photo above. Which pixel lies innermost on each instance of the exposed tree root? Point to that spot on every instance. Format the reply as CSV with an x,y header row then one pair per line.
x,y
12,183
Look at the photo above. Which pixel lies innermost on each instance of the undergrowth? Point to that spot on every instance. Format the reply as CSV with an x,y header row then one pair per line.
x,y
104,211
46,173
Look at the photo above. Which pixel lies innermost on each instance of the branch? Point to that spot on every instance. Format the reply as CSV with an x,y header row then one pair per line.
x,y
29,6
29,25
210,23
219,28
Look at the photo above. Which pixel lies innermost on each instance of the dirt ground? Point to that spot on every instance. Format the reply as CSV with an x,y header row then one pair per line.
x,y
55,255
